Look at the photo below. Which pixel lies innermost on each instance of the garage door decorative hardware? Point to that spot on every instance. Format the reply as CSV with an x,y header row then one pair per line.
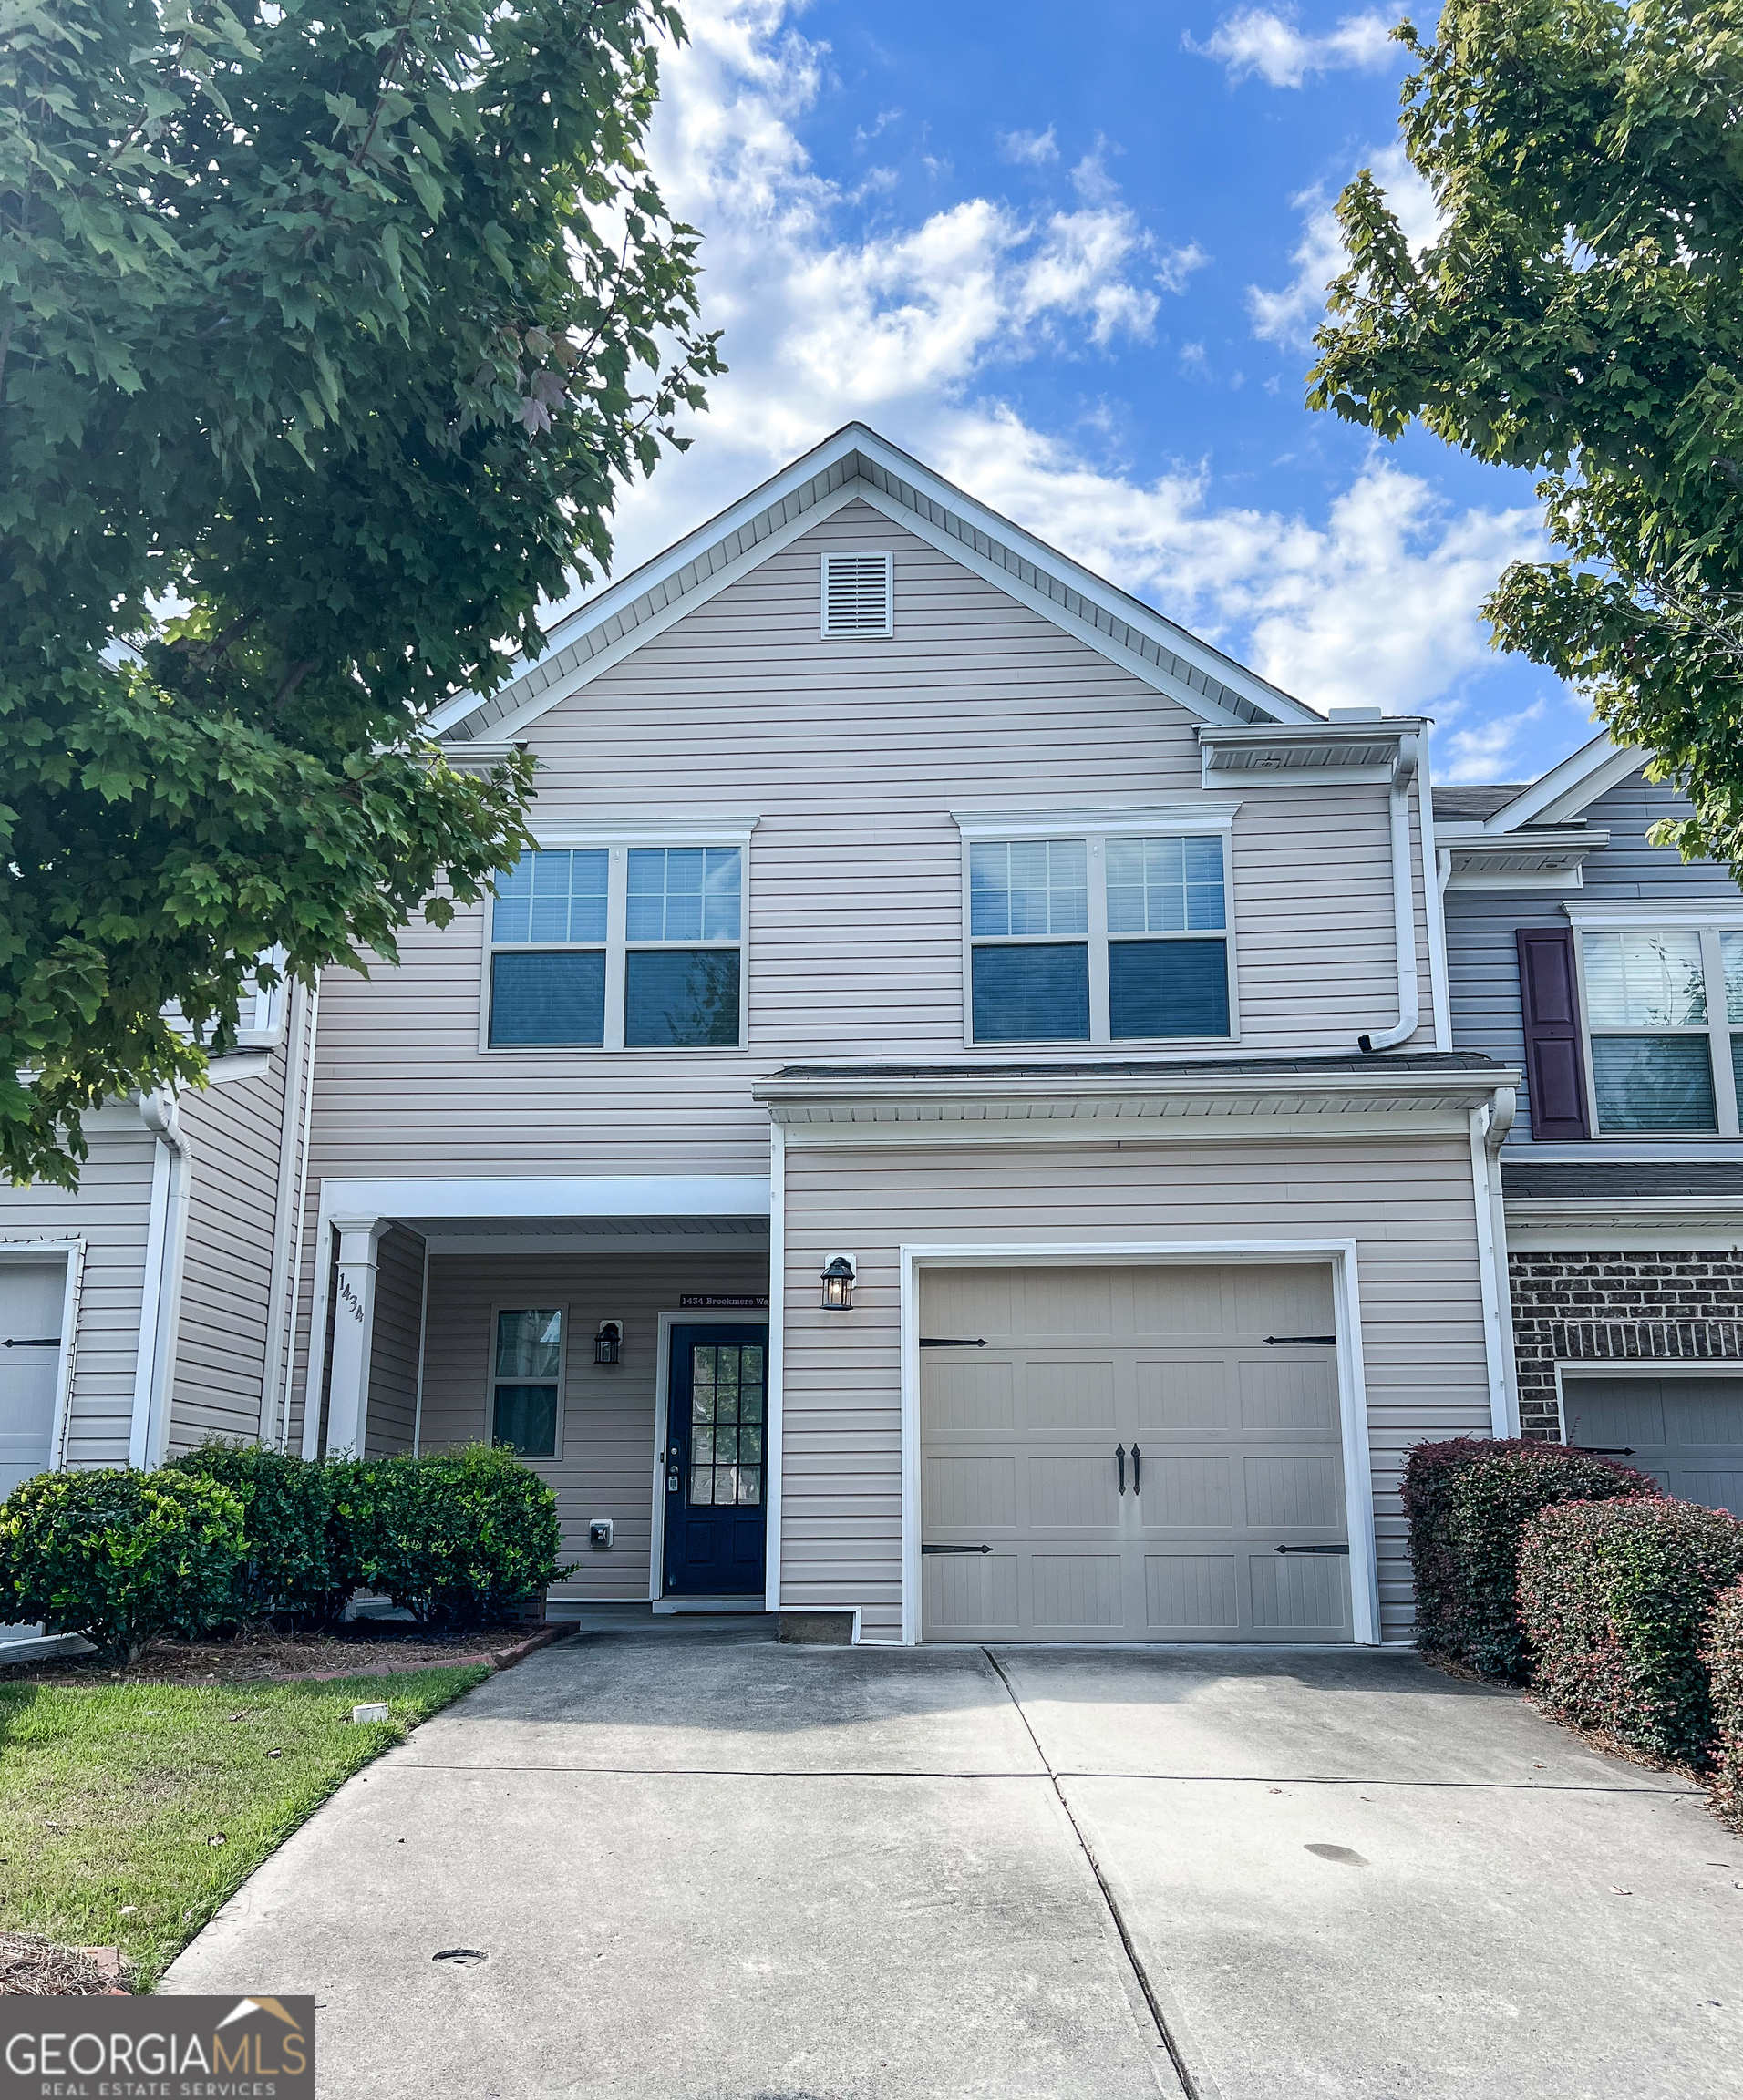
x,y
955,1548
1609,1450
1301,1341
31,1341
950,1341
1311,1549
1120,1460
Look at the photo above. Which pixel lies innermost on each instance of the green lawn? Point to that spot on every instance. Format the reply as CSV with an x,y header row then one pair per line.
x,y
112,1796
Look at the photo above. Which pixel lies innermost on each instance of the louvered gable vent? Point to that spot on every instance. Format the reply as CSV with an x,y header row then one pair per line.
x,y
857,591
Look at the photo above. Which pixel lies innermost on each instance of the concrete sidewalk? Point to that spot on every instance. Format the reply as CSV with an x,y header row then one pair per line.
x,y
718,1868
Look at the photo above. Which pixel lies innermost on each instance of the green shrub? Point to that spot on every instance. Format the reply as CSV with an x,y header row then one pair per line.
x,y
119,1557
1616,1598
1722,1652
301,1555
1467,1502
457,1539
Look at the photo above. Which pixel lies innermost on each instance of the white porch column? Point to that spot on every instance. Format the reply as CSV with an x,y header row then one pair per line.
x,y
354,1328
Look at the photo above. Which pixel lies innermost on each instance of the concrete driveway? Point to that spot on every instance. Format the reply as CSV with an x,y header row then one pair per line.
x,y
713,1869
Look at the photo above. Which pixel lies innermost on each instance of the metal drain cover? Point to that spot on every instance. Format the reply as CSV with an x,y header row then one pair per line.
x,y
461,1957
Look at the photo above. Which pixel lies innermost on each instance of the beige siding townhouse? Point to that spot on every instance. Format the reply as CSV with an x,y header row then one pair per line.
x,y
953,1135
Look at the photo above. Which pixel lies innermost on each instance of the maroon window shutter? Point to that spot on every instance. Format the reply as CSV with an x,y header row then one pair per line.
x,y
1549,996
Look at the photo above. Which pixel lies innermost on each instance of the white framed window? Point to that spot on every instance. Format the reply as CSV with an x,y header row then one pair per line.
x,y
619,946
859,596
525,1409
1120,931
1662,1008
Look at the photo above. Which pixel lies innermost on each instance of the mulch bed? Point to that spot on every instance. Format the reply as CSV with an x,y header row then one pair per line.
x,y
261,1655
34,1968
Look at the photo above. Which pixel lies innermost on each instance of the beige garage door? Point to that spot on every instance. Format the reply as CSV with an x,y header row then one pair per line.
x,y
1125,1455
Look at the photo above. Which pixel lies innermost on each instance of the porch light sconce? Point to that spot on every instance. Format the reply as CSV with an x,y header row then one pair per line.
x,y
838,1283
609,1341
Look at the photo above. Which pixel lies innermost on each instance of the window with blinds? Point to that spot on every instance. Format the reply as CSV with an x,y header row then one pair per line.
x,y
858,595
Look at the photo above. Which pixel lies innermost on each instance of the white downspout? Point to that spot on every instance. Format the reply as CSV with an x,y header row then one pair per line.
x,y
161,1302
1403,902
280,1427
1488,1128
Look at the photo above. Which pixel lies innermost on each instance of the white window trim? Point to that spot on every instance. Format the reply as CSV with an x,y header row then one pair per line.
x,y
1095,827
1707,926
618,837
885,633
552,1304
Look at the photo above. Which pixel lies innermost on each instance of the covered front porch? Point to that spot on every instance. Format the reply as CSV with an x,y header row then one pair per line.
x,y
615,1333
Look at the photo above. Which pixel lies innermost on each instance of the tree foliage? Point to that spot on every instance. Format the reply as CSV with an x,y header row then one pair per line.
x,y
1581,313
326,336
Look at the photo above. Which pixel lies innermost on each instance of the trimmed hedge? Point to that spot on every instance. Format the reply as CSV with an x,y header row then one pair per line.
x,y
460,1539
1615,1598
1722,1651
118,1556
300,1554
1467,1502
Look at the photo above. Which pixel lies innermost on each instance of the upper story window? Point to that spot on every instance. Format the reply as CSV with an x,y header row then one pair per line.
x,y
1665,1022
1098,939
859,595
618,948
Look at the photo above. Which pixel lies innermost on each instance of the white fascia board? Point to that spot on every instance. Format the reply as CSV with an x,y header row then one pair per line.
x,y
1175,815
979,522
731,828
1662,914
1571,786
534,1196
1542,1224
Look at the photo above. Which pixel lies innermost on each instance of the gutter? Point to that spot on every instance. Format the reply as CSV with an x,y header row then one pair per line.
x,y
160,1296
1403,903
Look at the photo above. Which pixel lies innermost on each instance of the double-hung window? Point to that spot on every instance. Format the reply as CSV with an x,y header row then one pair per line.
x,y
526,1381
1664,1013
618,947
1106,937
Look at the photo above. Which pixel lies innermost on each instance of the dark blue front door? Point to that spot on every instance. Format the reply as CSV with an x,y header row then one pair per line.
x,y
715,1479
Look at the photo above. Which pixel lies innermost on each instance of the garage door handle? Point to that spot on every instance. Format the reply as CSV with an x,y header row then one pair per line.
x,y
1137,1471
1312,1548
955,1548
1120,1460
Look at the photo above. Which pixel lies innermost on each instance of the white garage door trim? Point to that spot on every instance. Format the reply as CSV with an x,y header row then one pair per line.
x,y
72,1252
1352,1398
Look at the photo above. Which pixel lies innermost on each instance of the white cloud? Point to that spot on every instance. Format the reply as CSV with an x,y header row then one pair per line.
x,y
1488,751
1291,315
1035,147
1270,45
906,326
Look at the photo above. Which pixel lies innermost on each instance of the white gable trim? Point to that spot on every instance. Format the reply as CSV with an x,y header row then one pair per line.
x,y
857,464
1567,789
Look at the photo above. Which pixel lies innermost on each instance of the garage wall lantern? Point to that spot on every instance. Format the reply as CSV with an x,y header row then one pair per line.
x,y
838,1283
609,1341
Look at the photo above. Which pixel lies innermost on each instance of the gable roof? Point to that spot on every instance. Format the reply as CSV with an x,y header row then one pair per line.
x,y
856,464
1558,798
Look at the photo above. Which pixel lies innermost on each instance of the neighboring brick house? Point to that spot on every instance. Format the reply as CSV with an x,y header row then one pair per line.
x,y
1612,972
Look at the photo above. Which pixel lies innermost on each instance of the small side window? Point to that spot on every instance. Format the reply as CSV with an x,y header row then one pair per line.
x,y
526,1381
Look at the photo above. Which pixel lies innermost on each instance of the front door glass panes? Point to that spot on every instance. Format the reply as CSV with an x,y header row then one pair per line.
x,y
526,1380
1646,1006
727,1419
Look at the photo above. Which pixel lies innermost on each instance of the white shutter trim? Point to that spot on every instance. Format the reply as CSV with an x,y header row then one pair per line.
x,y
858,596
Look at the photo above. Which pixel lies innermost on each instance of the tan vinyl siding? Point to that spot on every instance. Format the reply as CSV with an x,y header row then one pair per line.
x,y
1408,1202
112,1213
852,753
393,1356
606,1468
234,1131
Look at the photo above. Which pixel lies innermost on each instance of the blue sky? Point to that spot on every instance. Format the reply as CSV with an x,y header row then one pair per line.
x,y
1073,258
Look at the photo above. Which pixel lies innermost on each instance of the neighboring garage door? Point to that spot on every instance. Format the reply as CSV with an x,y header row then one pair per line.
x,y
1231,1449
1688,1433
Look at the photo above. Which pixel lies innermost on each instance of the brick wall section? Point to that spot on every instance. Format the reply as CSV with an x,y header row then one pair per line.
x,y
1660,1307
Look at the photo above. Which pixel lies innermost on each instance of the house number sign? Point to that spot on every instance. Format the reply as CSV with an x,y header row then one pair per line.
x,y
719,1300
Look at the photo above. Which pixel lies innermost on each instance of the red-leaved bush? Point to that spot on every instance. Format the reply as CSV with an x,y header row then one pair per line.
x,y
1722,1652
1615,1600
1467,1502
